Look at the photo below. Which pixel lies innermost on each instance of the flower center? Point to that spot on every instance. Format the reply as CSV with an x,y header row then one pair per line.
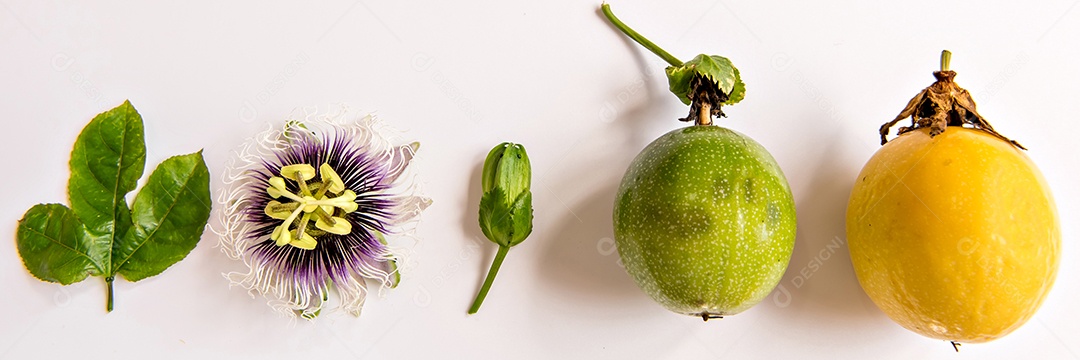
x,y
325,201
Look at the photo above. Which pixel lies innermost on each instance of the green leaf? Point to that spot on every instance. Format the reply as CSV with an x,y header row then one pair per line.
x,y
170,213
106,164
716,68
99,235
521,218
54,247
738,92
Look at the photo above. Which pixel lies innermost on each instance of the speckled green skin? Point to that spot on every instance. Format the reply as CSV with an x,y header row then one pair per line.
x,y
705,221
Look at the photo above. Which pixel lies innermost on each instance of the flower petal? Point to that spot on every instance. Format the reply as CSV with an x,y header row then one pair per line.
x,y
388,265
407,208
400,157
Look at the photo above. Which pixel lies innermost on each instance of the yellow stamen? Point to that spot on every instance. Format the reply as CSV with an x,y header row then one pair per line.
x,y
281,233
330,176
298,172
340,226
322,203
304,241
278,210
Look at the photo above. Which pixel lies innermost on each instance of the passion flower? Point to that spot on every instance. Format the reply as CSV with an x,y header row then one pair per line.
x,y
308,207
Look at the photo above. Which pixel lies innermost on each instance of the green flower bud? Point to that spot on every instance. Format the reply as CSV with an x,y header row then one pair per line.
x,y
507,166
506,207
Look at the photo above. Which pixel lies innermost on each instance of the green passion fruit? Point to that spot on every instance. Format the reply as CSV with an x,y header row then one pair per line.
x,y
704,218
705,221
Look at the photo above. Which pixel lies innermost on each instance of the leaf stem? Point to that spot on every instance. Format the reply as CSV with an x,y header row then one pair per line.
x,y
946,58
490,278
109,294
638,38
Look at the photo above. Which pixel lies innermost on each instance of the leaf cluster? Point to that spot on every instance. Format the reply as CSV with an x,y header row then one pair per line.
x,y
100,234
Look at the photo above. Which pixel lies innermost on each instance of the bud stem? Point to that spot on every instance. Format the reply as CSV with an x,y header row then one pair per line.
x,y
638,38
490,279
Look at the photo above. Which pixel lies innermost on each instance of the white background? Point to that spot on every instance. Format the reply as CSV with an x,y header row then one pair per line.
x,y
461,77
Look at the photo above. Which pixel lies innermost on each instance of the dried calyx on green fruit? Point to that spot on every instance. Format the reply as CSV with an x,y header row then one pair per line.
x,y
506,206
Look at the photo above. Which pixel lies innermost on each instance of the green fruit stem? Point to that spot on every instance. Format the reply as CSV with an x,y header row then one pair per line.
x,y
704,117
638,38
946,57
490,279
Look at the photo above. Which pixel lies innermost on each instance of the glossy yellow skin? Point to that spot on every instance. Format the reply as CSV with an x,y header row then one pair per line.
x,y
954,237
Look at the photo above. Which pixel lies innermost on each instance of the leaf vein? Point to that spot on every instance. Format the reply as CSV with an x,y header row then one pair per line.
x,y
57,241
